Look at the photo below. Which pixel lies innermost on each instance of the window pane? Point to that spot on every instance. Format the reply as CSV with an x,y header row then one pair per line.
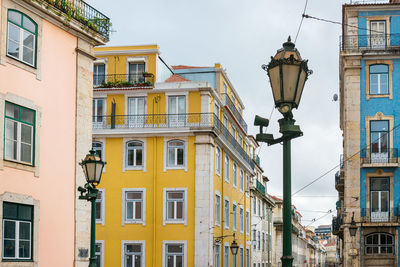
x,y
11,149
380,184
9,248
179,210
9,229
379,125
384,84
98,211
138,210
138,261
176,143
28,55
134,195
180,156
171,157
24,230
13,33
373,87
24,249
379,68
383,239
26,153
28,24
134,248
171,210
26,133
384,201
129,210
27,115
139,157
12,49
179,261
25,212
175,248
170,261
175,195
10,210
129,260
15,17
28,40
130,157
389,240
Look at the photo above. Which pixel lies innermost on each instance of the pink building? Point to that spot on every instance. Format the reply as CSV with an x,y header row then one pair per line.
x,y
46,64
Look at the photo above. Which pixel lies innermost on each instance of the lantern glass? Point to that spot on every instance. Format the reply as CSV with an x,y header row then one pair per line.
x,y
275,78
234,248
302,80
92,167
290,74
90,172
353,230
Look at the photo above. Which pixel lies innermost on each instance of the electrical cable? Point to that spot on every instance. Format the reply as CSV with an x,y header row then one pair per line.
x,y
301,22
314,220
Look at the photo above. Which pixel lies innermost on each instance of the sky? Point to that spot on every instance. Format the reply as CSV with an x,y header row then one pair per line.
x,y
243,35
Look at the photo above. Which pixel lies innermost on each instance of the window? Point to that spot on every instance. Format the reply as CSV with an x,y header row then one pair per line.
x,y
21,37
217,160
241,259
234,217
247,222
234,175
100,206
379,243
98,148
134,205
217,210
134,154
175,205
255,205
380,188
226,256
176,111
234,260
241,219
217,256
133,255
379,135
263,242
254,239
259,208
19,133
176,153
226,169
136,111
17,231
99,74
99,252
241,181
377,35
226,214
247,257
226,124
263,209
247,184
379,79
174,255
216,110
99,112
136,72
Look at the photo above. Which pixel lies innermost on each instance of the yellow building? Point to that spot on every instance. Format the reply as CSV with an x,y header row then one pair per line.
x,y
176,185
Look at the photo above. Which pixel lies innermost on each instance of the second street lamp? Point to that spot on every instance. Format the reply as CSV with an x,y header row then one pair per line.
x,y
287,74
92,167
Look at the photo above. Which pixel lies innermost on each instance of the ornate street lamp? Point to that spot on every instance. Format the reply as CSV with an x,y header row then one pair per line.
x,y
287,74
353,227
234,246
92,167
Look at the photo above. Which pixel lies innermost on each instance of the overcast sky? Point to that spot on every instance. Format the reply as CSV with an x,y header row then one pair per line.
x,y
243,35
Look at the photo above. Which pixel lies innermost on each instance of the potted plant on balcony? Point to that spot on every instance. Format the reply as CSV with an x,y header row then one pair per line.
x,y
147,74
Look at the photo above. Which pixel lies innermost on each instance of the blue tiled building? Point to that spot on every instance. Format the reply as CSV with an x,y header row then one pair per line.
x,y
368,182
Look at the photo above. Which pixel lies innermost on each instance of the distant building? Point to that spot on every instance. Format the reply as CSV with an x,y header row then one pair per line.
x,y
323,232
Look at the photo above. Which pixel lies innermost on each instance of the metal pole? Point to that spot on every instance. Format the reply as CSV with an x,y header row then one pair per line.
x,y
287,258
92,260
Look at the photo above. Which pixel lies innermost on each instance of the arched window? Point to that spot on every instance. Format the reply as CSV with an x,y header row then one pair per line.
x,y
379,243
134,154
379,79
176,153
98,148
21,37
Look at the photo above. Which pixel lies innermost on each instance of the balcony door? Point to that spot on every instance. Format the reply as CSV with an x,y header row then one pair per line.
x,y
99,112
176,111
136,112
136,73
379,134
380,188
378,31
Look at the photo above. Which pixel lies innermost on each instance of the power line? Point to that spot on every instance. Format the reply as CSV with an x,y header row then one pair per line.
x,y
345,160
301,22
314,220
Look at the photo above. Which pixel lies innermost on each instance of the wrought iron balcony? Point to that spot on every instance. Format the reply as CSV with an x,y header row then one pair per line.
x,y
257,159
336,223
339,181
228,102
374,157
370,42
390,215
164,121
260,187
84,13
338,204
139,79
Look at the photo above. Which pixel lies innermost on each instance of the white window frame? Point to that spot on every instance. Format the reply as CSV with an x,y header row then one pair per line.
x,y
128,242
234,174
217,263
234,216
218,223
101,243
241,259
185,154
174,242
247,222
241,219
102,207
185,205
226,168
241,177
247,185
125,167
226,212
17,239
218,161
143,220
134,166
226,254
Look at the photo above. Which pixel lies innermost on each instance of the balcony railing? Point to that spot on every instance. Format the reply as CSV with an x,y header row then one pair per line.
x,y
257,159
373,156
163,121
85,14
336,223
228,102
123,80
338,204
390,215
260,187
370,42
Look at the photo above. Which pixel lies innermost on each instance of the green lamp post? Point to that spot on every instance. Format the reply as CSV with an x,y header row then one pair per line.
x,y
92,167
287,74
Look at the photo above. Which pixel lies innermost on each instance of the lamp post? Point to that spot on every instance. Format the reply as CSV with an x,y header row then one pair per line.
x,y
287,74
92,167
234,246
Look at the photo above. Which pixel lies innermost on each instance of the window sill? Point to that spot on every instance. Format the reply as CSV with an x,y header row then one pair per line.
x,y
369,96
17,260
135,222
22,65
141,168
175,222
19,165
20,61
175,168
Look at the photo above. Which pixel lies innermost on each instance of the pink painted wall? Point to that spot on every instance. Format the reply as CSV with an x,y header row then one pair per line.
x,y
54,187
